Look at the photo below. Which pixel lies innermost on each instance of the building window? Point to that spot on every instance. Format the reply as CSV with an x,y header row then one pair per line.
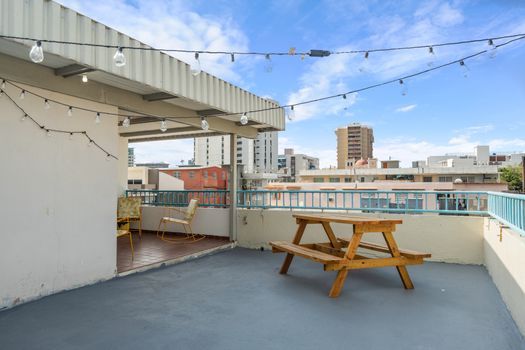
x,y
318,179
223,175
214,175
191,174
205,174
348,179
445,179
427,178
335,179
176,174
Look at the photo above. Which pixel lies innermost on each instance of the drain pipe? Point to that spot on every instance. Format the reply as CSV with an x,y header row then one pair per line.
x,y
233,187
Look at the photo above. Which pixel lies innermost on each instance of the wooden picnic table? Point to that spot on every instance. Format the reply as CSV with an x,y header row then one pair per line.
x,y
340,254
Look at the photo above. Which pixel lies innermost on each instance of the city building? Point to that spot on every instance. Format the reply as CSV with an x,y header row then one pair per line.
x,y
200,178
481,156
354,142
290,164
159,165
131,157
257,155
143,178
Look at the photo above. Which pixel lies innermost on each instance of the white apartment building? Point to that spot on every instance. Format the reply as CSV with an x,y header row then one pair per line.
x,y
480,157
257,155
290,164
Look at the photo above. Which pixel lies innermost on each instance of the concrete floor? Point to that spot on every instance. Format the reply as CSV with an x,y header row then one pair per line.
x,y
237,300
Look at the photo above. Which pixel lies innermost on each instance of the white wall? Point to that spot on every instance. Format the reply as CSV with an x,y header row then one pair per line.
x,y
169,183
58,206
453,239
505,261
208,221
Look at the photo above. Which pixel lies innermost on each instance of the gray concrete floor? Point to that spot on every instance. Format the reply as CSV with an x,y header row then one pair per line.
x,y
237,300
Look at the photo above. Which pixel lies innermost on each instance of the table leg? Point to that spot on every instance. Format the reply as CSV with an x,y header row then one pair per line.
x,y
331,235
350,253
394,251
296,240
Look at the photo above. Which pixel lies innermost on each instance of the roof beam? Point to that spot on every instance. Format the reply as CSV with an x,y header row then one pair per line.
x,y
208,112
174,137
158,132
158,96
72,69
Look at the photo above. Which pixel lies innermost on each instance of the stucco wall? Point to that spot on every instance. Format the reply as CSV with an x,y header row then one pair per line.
x,y
58,203
505,261
208,221
453,239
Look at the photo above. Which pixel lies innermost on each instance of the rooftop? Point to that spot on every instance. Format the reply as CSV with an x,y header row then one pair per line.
x,y
237,300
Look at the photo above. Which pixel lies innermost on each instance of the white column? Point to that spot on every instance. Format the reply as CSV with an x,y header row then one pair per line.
x,y
122,183
233,187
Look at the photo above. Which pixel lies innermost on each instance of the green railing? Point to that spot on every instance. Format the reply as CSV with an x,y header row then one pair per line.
x,y
508,208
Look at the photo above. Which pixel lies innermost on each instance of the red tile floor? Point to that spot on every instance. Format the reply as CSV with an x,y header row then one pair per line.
x,y
151,249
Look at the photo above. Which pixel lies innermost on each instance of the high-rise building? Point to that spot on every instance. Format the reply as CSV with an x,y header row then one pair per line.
x,y
131,157
354,142
291,164
257,155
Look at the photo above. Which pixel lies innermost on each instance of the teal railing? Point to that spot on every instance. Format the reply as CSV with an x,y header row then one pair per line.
x,y
508,208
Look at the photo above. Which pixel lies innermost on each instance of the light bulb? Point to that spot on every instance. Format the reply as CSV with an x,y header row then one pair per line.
x,y
365,64
108,157
3,85
22,94
70,112
163,126
84,78
71,136
268,64
48,133
232,57
404,90
195,67
464,68
24,117
90,143
37,53
97,118
432,55
126,122
1,92
493,49
291,113
46,104
119,58
204,124
244,119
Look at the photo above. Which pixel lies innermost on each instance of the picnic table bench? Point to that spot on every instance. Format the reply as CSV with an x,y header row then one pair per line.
x,y
339,254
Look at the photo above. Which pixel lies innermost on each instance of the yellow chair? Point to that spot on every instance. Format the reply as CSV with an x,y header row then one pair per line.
x,y
123,230
185,221
130,208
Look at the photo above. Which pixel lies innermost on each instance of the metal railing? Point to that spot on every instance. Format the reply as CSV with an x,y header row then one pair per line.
x,y
508,208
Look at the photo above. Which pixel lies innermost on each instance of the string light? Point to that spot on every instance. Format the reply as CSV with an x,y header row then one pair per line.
x,y
126,122
432,55
70,111
291,113
84,78
163,125
37,53
464,68
244,119
119,58
195,68
22,94
403,87
97,118
48,133
493,49
344,96
3,84
108,157
24,117
71,136
268,64
366,55
46,104
204,124
233,57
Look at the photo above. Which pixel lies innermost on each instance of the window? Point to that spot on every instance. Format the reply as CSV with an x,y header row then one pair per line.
x,y
176,174
348,179
445,179
427,178
205,174
335,179
318,179
214,175
191,174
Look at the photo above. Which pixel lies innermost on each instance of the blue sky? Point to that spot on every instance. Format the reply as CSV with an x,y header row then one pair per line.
x,y
443,112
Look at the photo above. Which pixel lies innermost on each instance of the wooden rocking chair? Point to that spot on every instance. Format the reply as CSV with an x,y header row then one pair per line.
x,y
185,221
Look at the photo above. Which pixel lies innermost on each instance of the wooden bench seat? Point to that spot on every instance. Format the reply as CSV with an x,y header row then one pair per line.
x,y
379,248
315,255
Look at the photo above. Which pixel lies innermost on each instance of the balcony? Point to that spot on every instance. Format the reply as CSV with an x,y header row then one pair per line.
x,y
468,296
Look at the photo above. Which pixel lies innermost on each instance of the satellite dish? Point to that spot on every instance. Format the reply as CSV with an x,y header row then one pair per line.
x,y
458,181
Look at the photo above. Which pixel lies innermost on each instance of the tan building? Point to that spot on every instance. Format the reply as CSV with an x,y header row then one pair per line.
x,y
354,142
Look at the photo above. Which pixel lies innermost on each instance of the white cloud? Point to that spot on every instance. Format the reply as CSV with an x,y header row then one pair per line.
x,y
172,24
171,152
405,109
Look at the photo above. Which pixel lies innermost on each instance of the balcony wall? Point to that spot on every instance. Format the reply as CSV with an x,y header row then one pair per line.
x,y
505,260
452,239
